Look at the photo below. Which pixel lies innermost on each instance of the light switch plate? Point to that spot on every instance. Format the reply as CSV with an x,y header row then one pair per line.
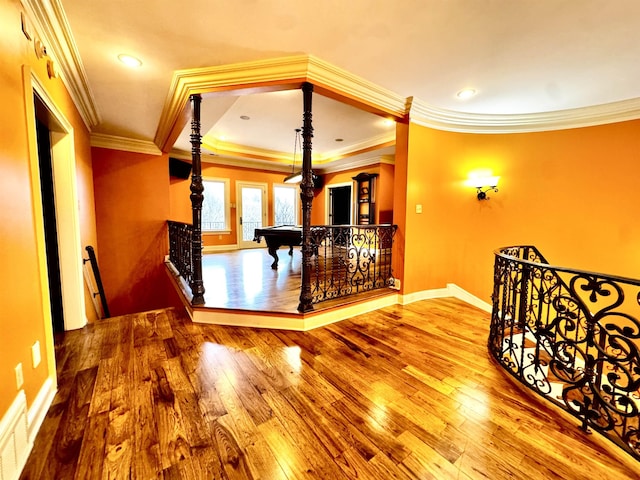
x,y
35,354
19,376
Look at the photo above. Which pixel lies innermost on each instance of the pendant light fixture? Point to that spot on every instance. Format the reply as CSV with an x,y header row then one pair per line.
x,y
295,177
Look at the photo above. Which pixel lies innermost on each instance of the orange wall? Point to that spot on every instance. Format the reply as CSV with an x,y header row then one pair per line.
x,y
181,204
572,193
132,209
384,194
400,200
23,311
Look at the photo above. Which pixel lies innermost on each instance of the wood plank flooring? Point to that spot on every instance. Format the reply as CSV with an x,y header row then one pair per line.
x,y
244,280
401,393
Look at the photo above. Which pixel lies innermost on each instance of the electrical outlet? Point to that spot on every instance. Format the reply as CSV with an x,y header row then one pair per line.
x,y
396,284
418,208
35,354
19,376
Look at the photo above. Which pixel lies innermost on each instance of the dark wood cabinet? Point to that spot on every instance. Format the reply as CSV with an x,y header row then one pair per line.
x,y
366,198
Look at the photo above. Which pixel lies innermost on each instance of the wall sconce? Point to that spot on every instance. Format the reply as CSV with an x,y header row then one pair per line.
x,y
484,185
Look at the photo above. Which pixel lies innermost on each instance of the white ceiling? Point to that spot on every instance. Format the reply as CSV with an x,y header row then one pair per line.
x,y
522,57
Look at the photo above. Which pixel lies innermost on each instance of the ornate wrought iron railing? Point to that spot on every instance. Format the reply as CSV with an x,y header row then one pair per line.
x,y
573,337
345,260
180,236
349,259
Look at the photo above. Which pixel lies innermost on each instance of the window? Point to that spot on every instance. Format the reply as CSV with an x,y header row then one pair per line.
x,y
285,204
216,205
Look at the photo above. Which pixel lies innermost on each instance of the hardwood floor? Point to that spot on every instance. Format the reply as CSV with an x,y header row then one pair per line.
x,y
401,393
244,280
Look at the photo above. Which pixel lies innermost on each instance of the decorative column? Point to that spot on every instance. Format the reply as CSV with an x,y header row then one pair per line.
x,y
306,196
197,285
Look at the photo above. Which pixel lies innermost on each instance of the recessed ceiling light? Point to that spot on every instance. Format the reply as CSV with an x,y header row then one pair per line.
x,y
388,122
245,117
466,93
130,61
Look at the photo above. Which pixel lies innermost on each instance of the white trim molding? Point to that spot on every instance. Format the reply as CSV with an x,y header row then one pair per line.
x,y
66,201
275,74
14,439
347,164
427,115
125,144
219,248
451,290
19,427
298,322
40,407
52,27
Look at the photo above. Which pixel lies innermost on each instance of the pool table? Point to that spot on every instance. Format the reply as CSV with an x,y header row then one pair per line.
x,y
275,237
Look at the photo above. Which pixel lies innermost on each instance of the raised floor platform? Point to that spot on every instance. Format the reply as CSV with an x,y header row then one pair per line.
x,y
242,289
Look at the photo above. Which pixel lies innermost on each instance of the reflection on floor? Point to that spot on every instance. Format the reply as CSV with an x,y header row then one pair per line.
x,y
244,280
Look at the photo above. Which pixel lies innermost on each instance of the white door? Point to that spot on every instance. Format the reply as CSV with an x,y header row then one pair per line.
x,y
252,212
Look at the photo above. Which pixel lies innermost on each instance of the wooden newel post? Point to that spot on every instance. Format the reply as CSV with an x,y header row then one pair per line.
x,y
306,196
197,285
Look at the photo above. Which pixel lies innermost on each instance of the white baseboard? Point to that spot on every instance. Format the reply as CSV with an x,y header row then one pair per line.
x,y
219,248
18,429
14,439
336,315
462,294
40,407
304,322
451,290
424,295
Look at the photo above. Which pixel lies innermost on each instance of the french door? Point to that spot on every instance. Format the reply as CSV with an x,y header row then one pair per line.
x,y
252,212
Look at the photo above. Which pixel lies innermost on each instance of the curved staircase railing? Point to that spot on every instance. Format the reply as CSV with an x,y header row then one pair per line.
x,y
573,337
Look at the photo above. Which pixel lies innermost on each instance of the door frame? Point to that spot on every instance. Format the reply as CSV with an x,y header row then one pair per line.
x,y
68,220
327,207
265,211
63,160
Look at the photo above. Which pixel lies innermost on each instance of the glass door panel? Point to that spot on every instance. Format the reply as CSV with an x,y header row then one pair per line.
x,y
252,212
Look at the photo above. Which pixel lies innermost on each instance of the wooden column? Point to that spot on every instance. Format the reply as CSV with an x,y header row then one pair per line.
x,y
306,195
197,285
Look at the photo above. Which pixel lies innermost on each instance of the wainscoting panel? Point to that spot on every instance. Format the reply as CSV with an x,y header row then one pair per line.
x,y
14,439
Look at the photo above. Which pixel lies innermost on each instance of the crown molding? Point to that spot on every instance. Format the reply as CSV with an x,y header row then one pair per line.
x,y
234,150
345,84
52,26
374,143
347,164
247,163
125,144
231,161
257,163
427,115
273,74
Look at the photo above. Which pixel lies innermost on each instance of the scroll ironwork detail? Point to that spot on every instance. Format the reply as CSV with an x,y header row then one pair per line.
x,y
573,337
180,248
350,259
